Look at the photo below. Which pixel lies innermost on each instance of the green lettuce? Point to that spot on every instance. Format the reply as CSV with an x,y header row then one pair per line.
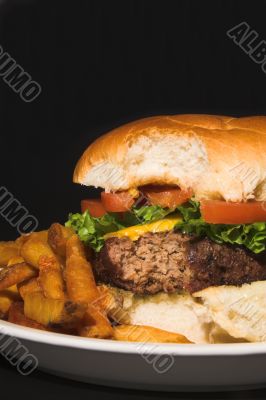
x,y
251,236
91,230
146,214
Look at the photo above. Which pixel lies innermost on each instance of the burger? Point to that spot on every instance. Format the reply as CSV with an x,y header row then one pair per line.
x,y
179,231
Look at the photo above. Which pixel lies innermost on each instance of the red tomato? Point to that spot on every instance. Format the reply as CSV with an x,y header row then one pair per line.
x,y
166,196
94,206
223,212
117,202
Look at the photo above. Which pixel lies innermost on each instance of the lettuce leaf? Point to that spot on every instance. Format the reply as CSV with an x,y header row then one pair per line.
x,y
251,236
91,230
150,213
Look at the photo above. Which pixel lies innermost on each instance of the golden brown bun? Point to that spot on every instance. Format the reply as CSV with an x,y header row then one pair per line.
x,y
219,157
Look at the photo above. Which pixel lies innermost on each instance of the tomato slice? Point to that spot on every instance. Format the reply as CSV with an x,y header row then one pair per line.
x,y
166,196
94,206
117,202
222,212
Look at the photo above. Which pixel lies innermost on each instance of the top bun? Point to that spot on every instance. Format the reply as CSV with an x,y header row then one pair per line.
x,y
218,157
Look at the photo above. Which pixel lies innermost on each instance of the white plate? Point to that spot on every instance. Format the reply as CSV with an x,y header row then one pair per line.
x,y
167,367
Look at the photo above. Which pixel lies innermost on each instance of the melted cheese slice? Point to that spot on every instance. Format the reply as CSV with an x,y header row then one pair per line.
x,y
134,232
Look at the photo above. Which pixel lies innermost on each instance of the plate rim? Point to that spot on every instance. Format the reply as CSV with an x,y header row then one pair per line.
x,y
107,345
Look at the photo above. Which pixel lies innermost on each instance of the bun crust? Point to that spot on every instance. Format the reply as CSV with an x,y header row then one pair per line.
x,y
219,157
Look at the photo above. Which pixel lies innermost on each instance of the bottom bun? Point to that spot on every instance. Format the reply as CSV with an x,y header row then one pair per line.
x,y
240,311
222,314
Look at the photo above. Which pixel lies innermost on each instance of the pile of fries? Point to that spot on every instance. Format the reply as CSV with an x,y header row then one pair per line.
x,y
47,282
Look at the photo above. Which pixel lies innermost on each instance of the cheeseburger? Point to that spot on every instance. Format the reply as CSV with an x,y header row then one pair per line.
x,y
179,231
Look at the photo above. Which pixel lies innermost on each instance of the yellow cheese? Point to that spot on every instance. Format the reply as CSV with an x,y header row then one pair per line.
x,y
134,232
134,192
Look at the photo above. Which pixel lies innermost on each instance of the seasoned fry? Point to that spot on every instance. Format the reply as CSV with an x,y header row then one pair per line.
x,y
22,239
16,315
33,249
81,287
15,260
74,246
51,278
7,297
96,324
41,235
52,311
57,238
30,286
80,282
15,274
8,250
39,254
139,333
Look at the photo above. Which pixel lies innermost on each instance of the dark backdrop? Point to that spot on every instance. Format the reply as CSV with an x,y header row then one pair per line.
x,y
102,63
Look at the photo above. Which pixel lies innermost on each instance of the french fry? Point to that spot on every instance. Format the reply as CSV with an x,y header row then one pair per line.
x,y
96,324
80,282
41,235
57,238
144,334
15,260
12,249
22,239
8,250
51,277
7,297
30,286
33,249
52,311
15,274
38,253
16,315
81,288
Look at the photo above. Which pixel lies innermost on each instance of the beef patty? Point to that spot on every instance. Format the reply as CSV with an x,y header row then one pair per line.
x,y
172,261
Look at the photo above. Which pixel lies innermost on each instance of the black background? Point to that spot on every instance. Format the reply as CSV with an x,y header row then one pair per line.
x,y
102,63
